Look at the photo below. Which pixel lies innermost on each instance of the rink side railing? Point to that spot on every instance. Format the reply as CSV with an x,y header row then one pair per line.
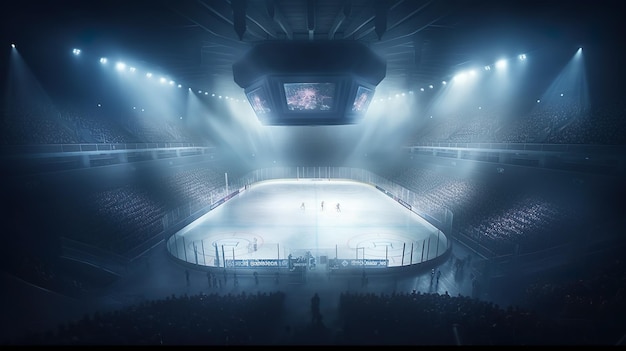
x,y
411,253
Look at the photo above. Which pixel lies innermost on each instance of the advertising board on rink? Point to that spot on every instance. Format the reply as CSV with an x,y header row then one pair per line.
x,y
283,263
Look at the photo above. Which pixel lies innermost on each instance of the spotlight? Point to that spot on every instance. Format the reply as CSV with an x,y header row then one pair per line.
x,y
501,64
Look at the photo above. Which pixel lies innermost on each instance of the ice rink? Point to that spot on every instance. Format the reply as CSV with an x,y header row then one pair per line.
x,y
329,218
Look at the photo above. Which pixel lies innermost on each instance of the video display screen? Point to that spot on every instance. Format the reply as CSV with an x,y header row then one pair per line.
x,y
259,101
362,99
310,96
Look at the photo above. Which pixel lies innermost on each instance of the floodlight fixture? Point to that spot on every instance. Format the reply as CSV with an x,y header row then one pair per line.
x,y
501,64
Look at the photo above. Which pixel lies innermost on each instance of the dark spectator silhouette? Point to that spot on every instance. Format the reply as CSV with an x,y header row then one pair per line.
x,y
315,309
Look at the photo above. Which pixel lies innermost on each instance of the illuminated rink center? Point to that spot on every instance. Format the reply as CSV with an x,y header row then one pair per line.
x,y
318,224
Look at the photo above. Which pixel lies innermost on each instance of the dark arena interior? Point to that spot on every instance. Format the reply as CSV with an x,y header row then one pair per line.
x,y
313,172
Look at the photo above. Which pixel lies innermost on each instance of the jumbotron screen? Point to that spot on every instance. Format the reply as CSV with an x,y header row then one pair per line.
x,y
310,96
259,101
362,99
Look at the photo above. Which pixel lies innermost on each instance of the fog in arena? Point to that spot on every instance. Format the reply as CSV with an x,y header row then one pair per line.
x,y
320,172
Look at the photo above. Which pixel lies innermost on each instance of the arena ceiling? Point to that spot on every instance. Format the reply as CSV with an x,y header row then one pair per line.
x,y
196,42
